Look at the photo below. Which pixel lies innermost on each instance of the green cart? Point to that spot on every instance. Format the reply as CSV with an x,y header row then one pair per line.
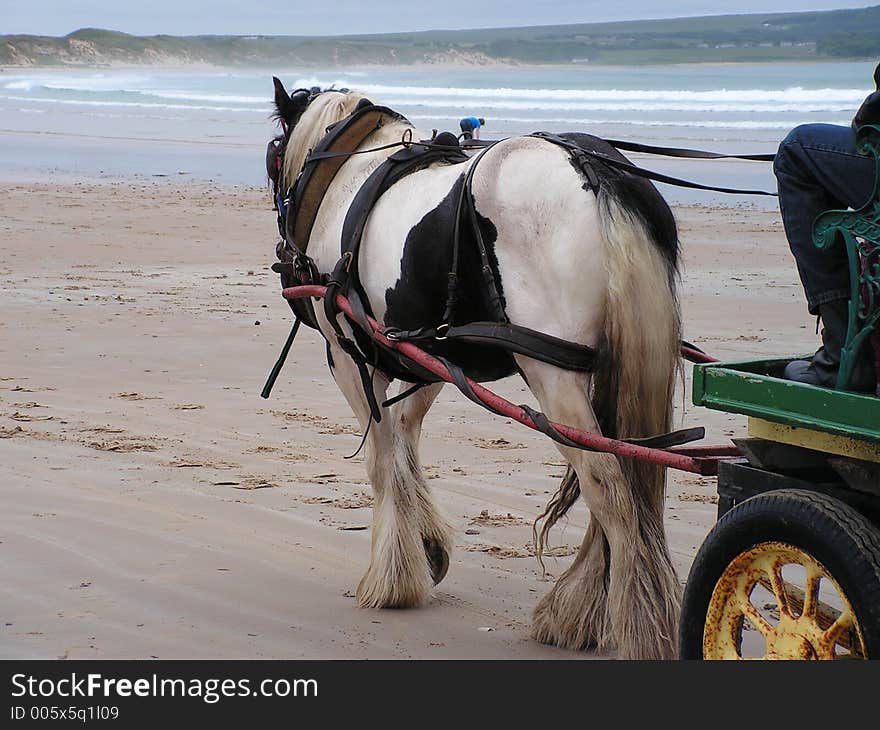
x,y
791,570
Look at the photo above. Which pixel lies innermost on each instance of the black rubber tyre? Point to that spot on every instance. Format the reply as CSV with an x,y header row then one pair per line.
x,y
833,533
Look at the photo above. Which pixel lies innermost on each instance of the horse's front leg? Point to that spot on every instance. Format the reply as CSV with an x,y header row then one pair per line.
x,y
436,532
400,573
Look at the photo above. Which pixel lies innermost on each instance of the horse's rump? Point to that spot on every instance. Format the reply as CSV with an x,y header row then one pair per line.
x,y
428,277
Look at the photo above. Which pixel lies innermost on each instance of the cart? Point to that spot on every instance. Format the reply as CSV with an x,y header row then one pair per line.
x,y
791,570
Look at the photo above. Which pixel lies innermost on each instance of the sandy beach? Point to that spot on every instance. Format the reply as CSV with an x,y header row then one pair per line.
x,y
153,505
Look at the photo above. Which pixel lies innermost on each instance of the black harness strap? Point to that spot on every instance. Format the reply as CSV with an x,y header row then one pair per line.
x,y
460,381
512,337
335,147
641,171
663,441
673,438
279,363
542,423
405,394
345,280
296,268
684,152
496,300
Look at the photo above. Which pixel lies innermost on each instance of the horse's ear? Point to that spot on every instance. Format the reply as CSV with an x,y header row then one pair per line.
x,y
282,99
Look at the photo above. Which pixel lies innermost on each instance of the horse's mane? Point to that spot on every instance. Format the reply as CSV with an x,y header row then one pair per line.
x,y
324,110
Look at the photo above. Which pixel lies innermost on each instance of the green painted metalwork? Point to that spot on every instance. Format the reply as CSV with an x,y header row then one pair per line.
x,y
756,388
859,231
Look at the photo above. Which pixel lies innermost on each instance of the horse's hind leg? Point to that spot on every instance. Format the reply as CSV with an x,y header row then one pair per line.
x,y
573,614
623,561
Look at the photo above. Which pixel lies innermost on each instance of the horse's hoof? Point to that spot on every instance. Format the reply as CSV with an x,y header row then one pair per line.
x,y
438,558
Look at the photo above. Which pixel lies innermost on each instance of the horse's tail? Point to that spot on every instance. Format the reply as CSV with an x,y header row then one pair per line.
x,y
633,384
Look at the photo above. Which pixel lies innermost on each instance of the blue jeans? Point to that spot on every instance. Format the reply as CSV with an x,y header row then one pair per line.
x,y
817,168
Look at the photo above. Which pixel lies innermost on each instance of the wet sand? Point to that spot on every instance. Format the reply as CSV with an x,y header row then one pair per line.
x,y
153,505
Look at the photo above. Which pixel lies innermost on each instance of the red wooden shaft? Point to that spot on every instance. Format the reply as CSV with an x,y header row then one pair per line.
x,y
689,353
592,441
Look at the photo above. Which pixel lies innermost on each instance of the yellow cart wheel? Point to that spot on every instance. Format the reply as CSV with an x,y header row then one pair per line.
x,y
787,574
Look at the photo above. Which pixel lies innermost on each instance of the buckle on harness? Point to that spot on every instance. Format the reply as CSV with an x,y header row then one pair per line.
x,y
442,329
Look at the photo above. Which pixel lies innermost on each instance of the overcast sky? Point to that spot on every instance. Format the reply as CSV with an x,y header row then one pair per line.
x,y
331,17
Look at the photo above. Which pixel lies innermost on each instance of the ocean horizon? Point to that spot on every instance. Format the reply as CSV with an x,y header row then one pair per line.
x,y
212,124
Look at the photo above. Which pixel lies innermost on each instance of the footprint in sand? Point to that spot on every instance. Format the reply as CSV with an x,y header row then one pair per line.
x,y
136,396
359,500
250,483
702,498
19,432
488,520
27,417
505,552
326,478
122,446
499,443
326,426
22,389
117,442
195,462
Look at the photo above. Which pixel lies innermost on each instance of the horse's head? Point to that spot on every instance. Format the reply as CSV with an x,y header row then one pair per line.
x,y
304,116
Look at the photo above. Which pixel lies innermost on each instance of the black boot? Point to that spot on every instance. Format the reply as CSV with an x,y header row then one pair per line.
x,y
823,367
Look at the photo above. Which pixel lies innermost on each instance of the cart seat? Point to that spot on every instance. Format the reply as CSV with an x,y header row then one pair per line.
x,y
859,230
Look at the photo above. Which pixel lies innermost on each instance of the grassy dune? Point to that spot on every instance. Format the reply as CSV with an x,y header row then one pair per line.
x,y
758,37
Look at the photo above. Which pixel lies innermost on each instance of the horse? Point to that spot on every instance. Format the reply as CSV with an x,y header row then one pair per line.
x,y
592,264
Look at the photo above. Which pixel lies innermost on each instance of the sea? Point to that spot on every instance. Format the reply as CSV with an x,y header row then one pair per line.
x,y
211,125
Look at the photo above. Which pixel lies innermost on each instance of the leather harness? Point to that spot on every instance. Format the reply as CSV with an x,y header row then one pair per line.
x,y
296,218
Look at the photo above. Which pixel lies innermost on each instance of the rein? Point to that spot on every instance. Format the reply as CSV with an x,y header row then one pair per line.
x,y
677,152
658,176
684,152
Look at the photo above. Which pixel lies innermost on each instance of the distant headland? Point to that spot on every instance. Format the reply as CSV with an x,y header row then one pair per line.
x,y
822,35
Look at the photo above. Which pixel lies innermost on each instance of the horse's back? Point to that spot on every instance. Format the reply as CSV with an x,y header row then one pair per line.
x,y
541,223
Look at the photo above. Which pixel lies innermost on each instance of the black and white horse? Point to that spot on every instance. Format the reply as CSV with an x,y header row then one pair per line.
x,y
592,268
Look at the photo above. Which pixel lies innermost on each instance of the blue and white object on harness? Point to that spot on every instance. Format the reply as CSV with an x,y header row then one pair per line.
x,y
470,124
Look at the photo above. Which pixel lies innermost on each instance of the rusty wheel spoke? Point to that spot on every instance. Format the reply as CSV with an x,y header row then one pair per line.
x,y
833,633
811,593
755,618
778,586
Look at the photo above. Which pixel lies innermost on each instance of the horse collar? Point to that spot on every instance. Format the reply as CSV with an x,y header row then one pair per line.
x,y
321,166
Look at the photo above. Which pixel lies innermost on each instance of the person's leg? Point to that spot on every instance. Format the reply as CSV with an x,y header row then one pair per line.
x,y
817,168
